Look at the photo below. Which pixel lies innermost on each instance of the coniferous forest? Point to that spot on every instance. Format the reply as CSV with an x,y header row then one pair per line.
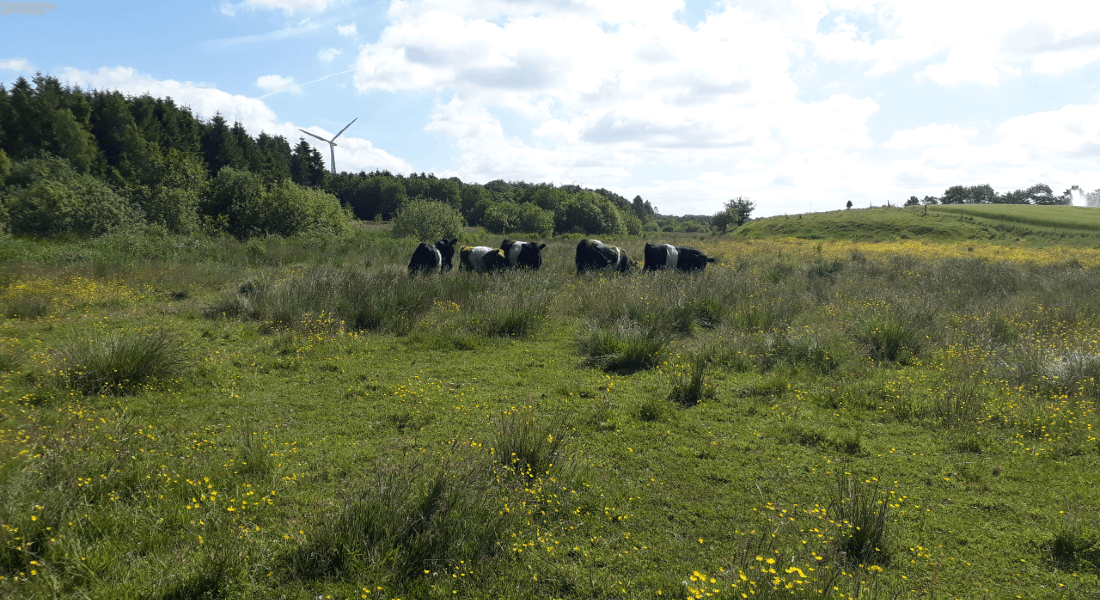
x,y
91,162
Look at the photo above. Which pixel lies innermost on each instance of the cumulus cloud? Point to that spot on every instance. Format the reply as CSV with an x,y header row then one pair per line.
x,y
931,135
328,54
278,83
291,6
353,154
20,65
348,30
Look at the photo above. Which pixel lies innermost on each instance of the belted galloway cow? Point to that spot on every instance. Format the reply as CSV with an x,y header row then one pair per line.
x,y
594,255
522,255
682,258
481,259
428,258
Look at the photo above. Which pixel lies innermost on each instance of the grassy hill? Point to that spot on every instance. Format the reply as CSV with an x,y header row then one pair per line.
x,y
1037,226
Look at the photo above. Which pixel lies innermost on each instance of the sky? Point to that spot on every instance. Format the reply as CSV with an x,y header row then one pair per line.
x,y
798,105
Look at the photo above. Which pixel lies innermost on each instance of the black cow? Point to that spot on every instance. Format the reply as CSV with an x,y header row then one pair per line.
x,y
594,255
481,259
522,255
427,258
666,256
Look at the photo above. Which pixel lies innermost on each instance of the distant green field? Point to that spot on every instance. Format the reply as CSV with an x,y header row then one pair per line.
x,y
1000,224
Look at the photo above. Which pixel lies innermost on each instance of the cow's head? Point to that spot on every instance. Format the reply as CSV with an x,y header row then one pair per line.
x,y
693,260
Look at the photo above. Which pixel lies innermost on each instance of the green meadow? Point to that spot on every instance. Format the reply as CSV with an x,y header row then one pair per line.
x,y
1012,224
855,412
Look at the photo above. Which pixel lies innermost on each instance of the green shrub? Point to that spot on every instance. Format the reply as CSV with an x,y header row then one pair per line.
x,y
427,220
121,363
506,217
287,209
51,198
588,213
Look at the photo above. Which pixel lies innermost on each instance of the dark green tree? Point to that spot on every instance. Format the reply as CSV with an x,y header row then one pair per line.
x,y
218,144
73,142
307,167
274,157
736,213
956,194
1042,195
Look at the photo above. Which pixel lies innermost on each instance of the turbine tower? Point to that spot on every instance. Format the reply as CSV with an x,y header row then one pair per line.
x,y
331,143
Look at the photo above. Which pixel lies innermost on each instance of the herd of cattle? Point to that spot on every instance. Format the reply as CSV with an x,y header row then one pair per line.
x,y
592,255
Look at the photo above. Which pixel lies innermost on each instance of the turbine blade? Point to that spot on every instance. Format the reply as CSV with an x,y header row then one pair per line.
x,y
345,128
316,136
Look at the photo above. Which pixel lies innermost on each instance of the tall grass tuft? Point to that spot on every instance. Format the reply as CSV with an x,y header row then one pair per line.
x,y
889,338
525,446
210,580
862,512
255,457
406,523
121,363
1070,546
515,317
27,308
624,346
689,386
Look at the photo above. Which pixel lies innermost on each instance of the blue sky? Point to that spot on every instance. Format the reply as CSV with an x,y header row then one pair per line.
x,y
798,105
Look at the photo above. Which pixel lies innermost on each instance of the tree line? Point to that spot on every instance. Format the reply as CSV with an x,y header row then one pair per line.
x,y
93,161
1039,194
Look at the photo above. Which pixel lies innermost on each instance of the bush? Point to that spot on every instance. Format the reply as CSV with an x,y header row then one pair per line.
x,y
427,220
287,209
589,213
505,217
51,198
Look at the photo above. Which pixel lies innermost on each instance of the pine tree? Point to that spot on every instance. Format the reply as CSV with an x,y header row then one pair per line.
x,y
307,167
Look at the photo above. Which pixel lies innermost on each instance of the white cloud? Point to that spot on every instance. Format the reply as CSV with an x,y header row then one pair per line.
x,y
931,135
348,29
352,154
278,83
645,87
291,6
328,54
20,65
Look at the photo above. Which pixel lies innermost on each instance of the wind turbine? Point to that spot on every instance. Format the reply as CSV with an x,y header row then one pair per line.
x,y
331,143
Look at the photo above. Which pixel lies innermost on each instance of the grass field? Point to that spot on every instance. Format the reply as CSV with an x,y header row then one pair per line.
x,y
1006,224
300,419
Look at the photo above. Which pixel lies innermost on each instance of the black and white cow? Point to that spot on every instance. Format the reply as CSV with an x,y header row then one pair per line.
x,y
522,255
594,255
428,258
682,258
481,259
